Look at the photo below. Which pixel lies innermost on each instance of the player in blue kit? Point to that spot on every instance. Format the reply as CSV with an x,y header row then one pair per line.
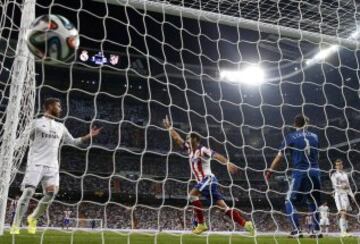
x,y
303,147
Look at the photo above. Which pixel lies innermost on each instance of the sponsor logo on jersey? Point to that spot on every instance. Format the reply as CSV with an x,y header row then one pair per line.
x,y
52,135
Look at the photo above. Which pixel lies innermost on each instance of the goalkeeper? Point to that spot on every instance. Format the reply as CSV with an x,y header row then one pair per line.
x,y
305,184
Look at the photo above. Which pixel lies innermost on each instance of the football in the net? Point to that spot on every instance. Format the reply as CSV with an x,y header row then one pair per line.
x,y
53,38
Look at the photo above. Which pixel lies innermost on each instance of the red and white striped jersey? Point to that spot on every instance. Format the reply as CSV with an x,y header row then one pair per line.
x,y
199,161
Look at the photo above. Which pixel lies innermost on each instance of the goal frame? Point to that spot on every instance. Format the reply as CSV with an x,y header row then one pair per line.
x,y
239,22
22,72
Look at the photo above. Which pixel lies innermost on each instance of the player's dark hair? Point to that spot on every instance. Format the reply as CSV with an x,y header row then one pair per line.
x,y
300,120
50,101
338,160
195,136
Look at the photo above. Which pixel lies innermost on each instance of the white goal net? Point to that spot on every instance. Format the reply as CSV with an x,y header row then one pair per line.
x,y
83,224
235,72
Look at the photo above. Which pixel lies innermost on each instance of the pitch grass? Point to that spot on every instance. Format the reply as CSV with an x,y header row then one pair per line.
x,y
79,237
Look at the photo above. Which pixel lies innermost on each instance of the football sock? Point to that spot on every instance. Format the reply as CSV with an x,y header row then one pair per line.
x,y
22,205
43,205
235,216
198,211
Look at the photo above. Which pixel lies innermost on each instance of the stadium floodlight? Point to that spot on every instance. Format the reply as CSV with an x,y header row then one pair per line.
x,y
330,50
252,75
355,35
320,56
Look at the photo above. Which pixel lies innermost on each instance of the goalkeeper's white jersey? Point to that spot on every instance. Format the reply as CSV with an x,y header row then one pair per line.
x,y
46,135
340,182
324,212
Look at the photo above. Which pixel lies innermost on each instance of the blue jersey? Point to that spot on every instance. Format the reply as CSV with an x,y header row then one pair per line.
x,y
304,148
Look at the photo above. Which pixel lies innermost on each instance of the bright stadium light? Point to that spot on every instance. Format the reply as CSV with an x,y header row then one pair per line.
x,y
330,50
355,35
252,75
320,56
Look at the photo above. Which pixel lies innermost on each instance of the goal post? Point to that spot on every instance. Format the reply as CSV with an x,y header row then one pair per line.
x,y
19,100
85,224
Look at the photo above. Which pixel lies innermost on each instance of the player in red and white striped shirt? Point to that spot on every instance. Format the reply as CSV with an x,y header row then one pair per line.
x,y
207,185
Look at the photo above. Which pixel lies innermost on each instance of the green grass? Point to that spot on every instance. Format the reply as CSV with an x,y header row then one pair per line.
x,y
79,237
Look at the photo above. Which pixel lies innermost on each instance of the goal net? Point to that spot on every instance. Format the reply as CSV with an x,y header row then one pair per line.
x,y
17,97
235,72
83,224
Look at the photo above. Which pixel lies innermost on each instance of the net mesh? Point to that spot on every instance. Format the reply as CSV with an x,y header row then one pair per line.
x,y
95,224
311,16
9,72
134,67
17,82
